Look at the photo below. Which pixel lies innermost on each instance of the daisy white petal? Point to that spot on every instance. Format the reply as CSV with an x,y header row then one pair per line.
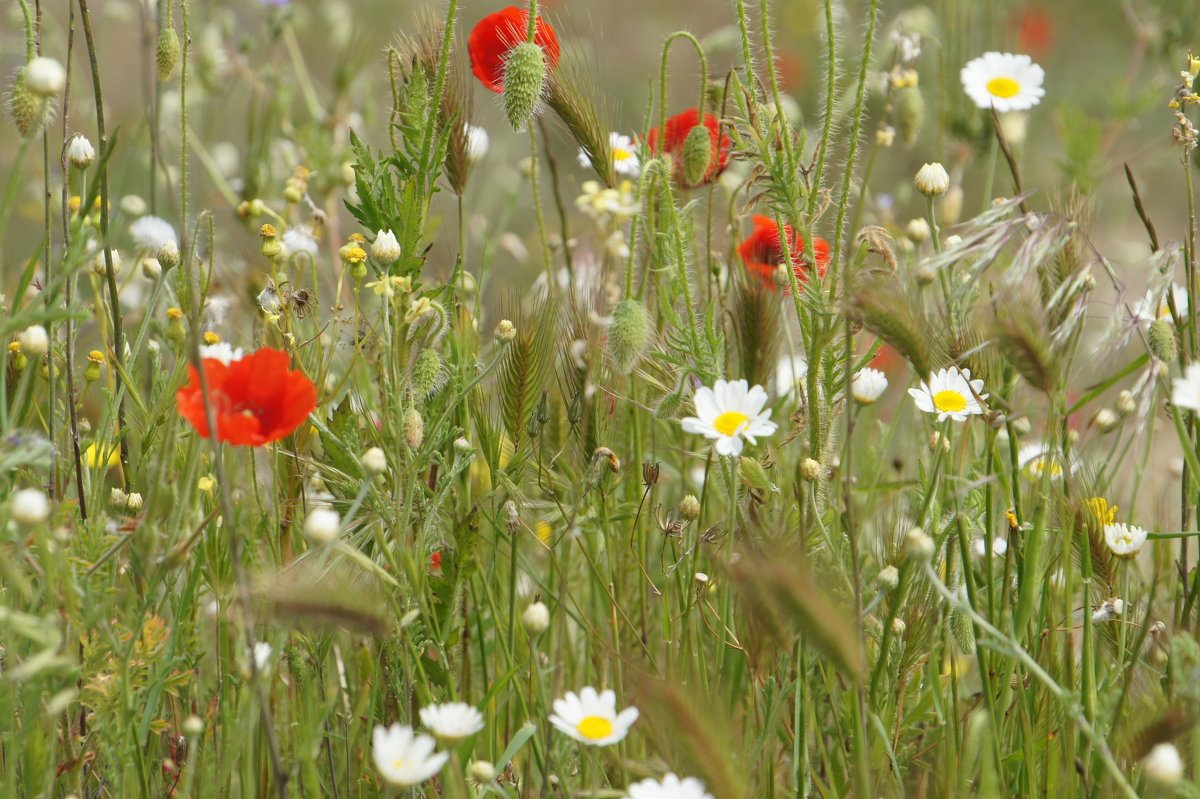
x,y
1003,81
592,719
404,758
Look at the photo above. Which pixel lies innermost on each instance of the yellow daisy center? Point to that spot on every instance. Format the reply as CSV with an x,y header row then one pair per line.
x,y
1003,87
950,401
399,763
728,423
595,728
621,155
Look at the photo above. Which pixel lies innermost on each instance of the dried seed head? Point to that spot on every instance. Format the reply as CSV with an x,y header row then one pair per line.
x,y
524,81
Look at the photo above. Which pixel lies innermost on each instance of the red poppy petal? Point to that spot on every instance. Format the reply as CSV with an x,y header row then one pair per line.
x,y
496,34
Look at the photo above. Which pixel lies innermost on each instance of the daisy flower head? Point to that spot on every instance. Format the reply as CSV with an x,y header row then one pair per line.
x,y
1036,459
1003,81
1156,306
403,757
452,721
868,385
1185,391
669,787
150,233
624,155
592,718
496,34
221,351
762,252
951,394
729,412
1125,540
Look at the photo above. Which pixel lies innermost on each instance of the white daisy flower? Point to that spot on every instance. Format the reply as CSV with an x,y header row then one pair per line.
x,y
404,758
670,787
297,240
1003,81
868,385
1153,307
452,721
221,351
950,393
1035,459
1125,540
792,370
592,718
477,142
624,152
150,233
729,412
1185,391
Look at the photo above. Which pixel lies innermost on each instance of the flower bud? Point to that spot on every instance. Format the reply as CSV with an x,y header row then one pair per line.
x,y
168,255
322,525
374,461
35,342
166,52
505,331
524,80
118,497
1125,403
29,111
134,501
45,77
426,372
100,263
918,230
414,428
629,334
1106,420
932,180
810,469
482,772
536,619
887,579
1164,765
918,544
385,249
80,151
268,242
193,726
29,506
689,508
697,155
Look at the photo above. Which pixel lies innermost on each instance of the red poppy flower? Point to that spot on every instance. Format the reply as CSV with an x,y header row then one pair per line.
x,y
676,132
256,399
496,34
763,252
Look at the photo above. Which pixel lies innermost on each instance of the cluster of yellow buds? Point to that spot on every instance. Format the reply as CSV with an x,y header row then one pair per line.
x,y
248,209
297,185
1184,131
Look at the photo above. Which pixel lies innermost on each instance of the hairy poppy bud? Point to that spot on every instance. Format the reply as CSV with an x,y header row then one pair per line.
x,y
414,428
1162,340
29,110
426,373
629,334
697,155
524,79
166,52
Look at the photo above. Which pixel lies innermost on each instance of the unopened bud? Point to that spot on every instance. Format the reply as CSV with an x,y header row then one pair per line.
x,y
888,578
374,461
918,544
697,155
166,52
536,619
414,428
1162,340
629,334
932,180
524,80
689,508
810,469
505,331
168,255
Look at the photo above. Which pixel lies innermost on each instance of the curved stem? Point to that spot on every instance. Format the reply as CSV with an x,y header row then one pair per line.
x,y
662,84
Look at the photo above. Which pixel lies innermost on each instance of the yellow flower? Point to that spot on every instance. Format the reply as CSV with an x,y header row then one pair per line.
x,y
1100,509
94,457
206,483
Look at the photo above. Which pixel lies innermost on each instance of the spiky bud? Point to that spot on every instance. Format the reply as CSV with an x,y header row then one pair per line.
x,y
426,371
414,428
697,155
910,114
629,334
524,80
29,111
166,52
1162,340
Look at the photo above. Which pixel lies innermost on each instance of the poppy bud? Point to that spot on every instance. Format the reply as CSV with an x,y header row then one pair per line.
x,y
629,334
426,371
414,428
524,79
166,52
697,155
30,111
910,114
1162,340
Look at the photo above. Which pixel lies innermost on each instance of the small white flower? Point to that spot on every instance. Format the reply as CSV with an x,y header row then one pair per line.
x,y
322,525
624,152
1036,459
932,180
80,151
1164,765
385,248
950,393
999,547
299,240
222,351
1125,540
29,506
1155,306
374,461
729,412
262,656
592,718
1185,391
1004,81
670,787
452,721
868,385
150,233
404,758
35,342
477,142
45,76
